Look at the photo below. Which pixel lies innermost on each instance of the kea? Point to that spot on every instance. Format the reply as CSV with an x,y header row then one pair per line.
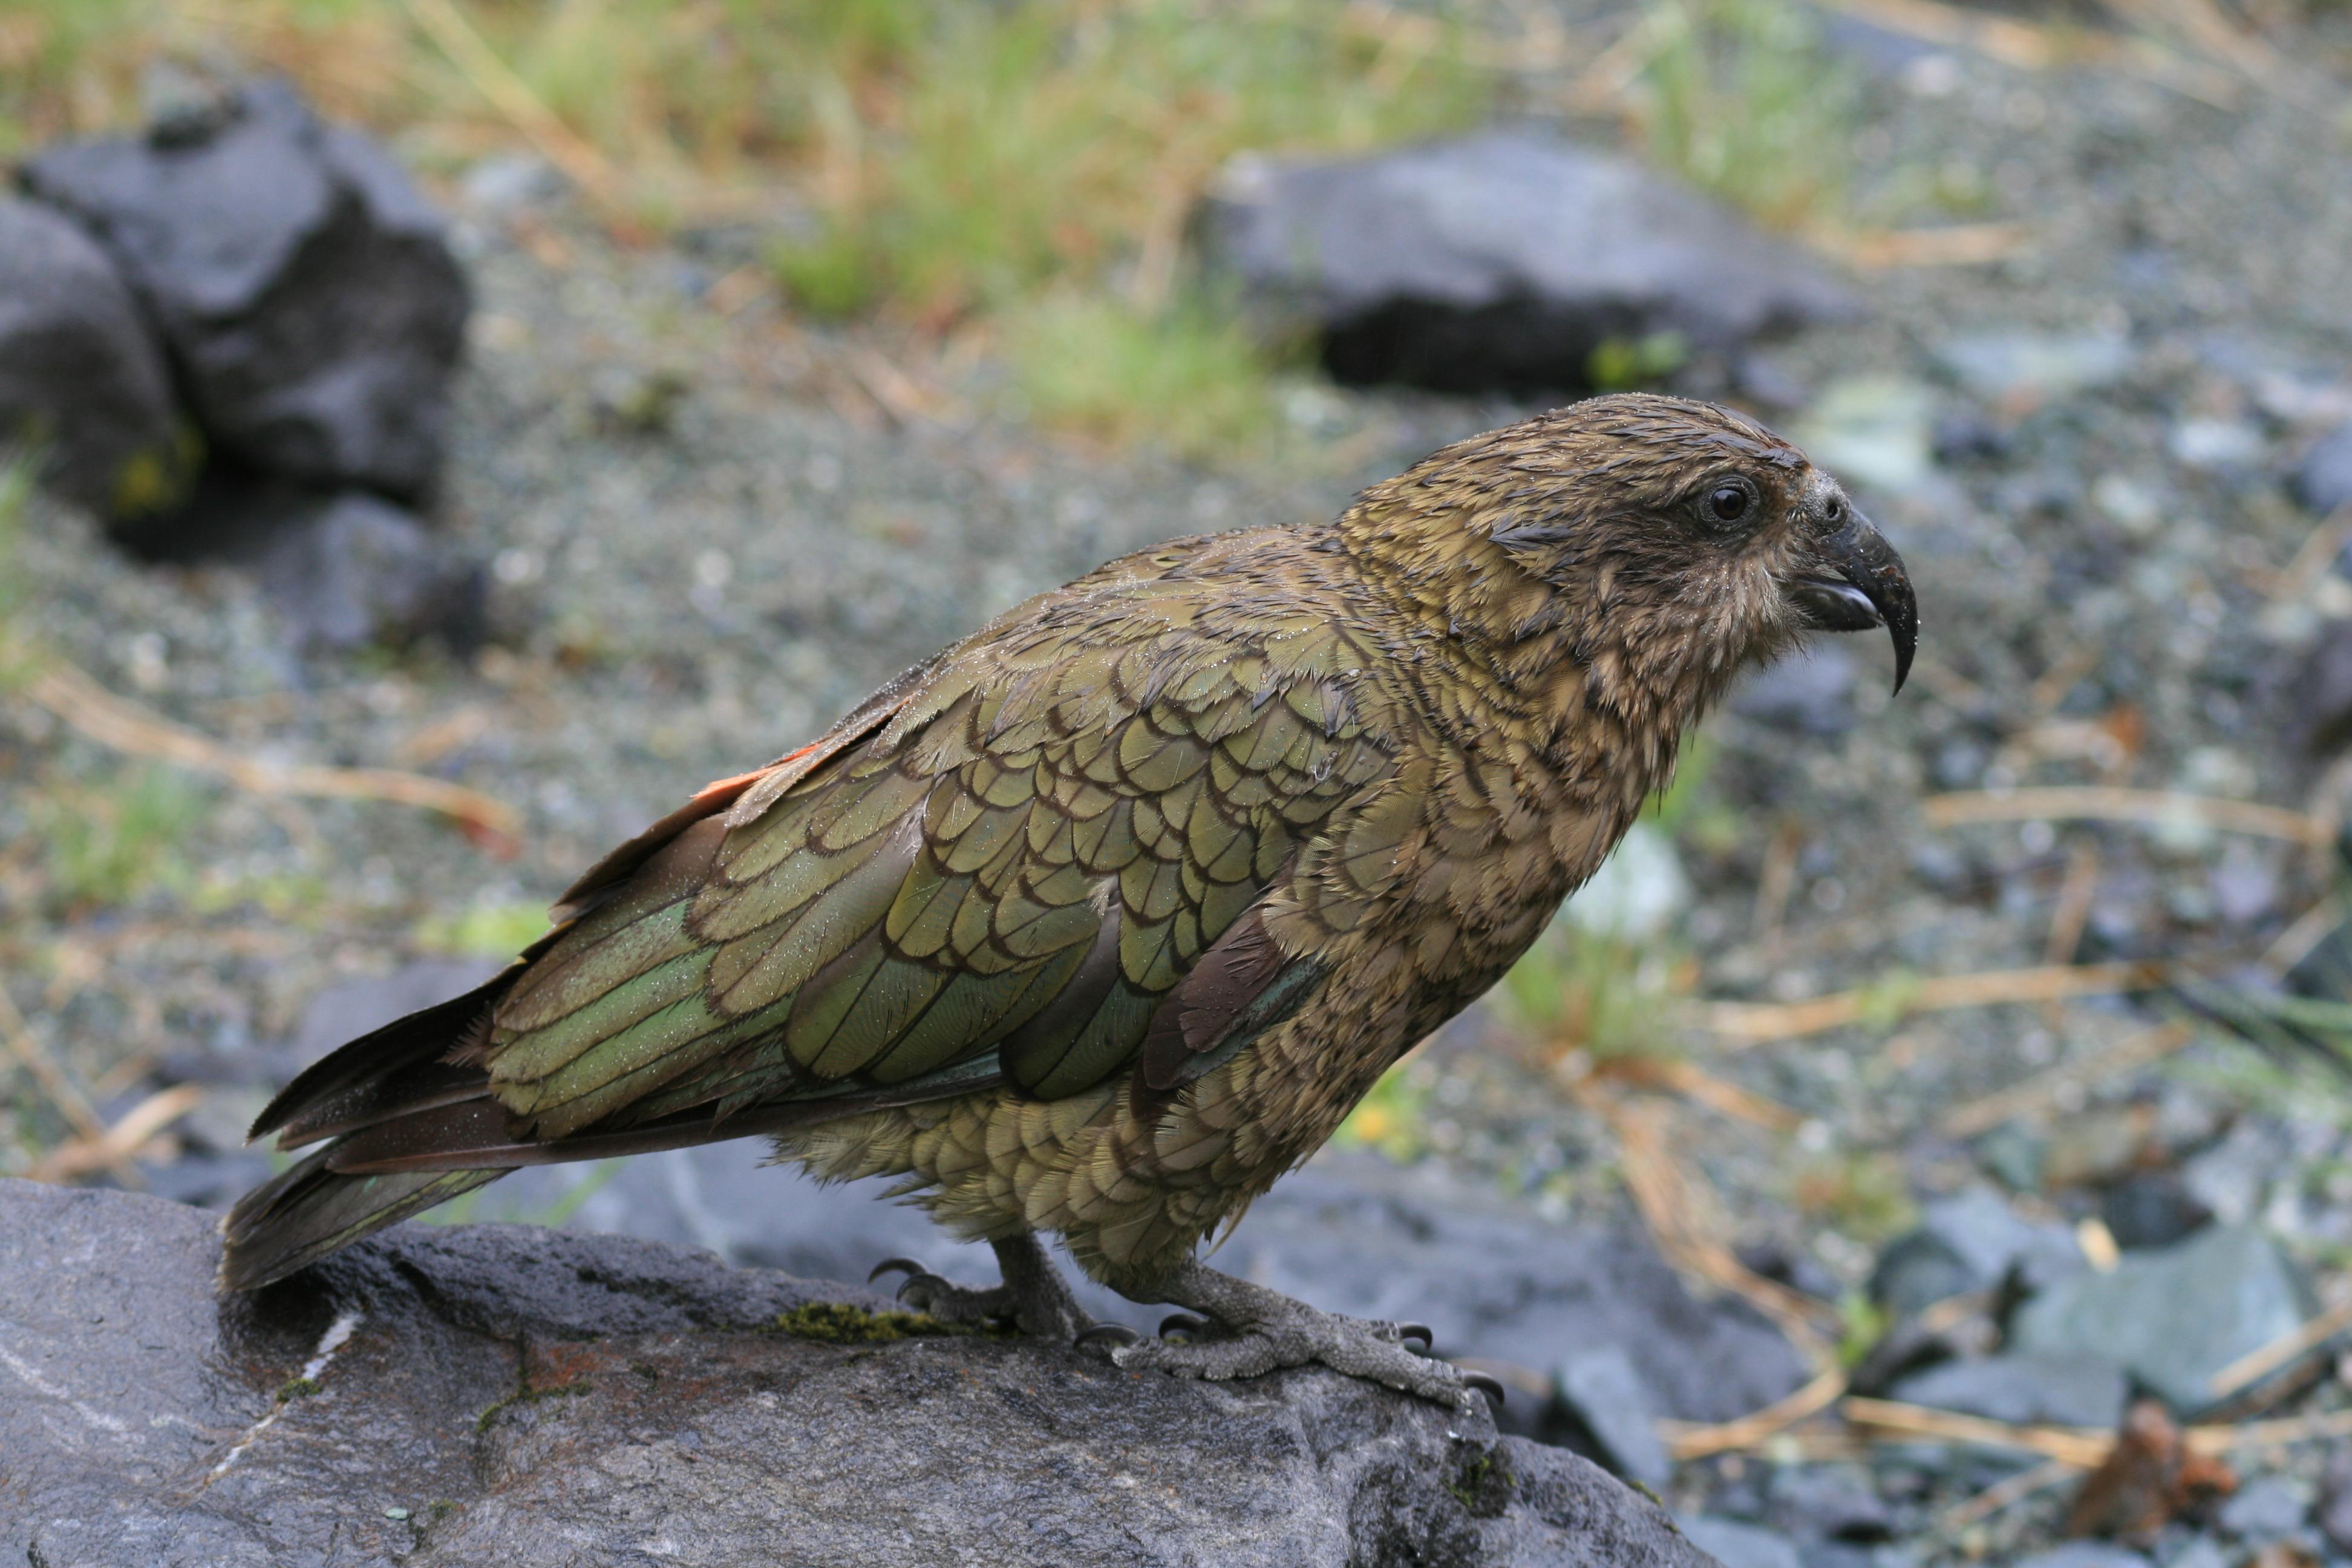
x,y
1099,921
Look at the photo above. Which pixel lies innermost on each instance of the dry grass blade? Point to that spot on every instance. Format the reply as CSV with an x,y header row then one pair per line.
x,y
1693,1440
1747,1023
2003,1494
114,1146
1696,1084
512,97
1946,245
2100,803
2079,1446
2012,41
2256,1365
2041,1091
2328,1425
46,1070
1672,1204
98,714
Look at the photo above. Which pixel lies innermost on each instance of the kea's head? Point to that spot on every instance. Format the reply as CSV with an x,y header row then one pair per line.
x,y
1656,542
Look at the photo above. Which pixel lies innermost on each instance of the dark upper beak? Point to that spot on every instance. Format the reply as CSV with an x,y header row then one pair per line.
x,y
1869,588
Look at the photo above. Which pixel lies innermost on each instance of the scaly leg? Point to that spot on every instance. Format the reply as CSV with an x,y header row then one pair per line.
x,y
1034,1295
1253,1331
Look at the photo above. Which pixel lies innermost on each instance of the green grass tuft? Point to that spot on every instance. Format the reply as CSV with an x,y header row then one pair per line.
x,y
839,1323
1741,98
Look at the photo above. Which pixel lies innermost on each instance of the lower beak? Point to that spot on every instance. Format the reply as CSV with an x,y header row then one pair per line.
x,y
1865,586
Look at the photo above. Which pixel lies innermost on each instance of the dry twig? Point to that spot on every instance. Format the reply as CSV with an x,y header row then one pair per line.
x,y
114,1146
512,97
98,714
1695,1440
2041,1090
2257,1364
1747,1022
2100,803
46,1070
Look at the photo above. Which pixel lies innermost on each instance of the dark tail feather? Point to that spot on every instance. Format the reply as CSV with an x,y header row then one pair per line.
x,y
303,1214
382,1074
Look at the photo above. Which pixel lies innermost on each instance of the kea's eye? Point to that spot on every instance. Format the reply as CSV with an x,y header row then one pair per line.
x,y
1728,503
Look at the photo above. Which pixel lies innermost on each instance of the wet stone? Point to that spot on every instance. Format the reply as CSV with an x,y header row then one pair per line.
x,y
483,1393
2264,1508
79,375
2173,1316
1508,260
2024,1389
1738,1545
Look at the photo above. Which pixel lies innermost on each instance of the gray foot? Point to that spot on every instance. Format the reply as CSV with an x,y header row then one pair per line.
x,y
1253,1331
1034,1295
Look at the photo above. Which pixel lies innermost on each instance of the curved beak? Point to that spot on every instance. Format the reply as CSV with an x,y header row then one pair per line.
x,y
1863,585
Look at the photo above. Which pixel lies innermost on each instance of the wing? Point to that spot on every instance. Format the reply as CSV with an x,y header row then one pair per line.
x,y
1004,882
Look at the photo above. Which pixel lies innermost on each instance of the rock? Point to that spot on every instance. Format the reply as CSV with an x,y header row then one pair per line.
x,y
2151,1208
1878,432
1738,1545
2323,481
486,1394
1970,1242
1820,1503
1350,1232
2215,444
2082,1555
355,569
1811,694
2264,1508
2333,1511
343,569
2065,1391
79,375
2319,692
1508,260
310,306
2025,369
2233,1177
2173,1316
1599,1391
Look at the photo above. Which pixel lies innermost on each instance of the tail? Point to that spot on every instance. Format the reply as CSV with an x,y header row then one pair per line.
x,y
390,1086
409,1121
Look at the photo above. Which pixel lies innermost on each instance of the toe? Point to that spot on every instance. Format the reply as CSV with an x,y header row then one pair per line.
x,y
907,1265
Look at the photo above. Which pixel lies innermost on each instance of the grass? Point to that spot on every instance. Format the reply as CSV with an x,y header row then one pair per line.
x,y
484,931
112,844
1024,166
1741,98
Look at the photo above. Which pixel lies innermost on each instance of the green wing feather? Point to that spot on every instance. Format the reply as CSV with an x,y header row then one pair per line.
x,y
1061,818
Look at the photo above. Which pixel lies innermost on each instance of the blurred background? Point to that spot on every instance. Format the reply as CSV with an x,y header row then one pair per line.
x,y
448,431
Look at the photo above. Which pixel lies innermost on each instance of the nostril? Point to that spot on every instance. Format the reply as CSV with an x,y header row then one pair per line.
x,y
1835,510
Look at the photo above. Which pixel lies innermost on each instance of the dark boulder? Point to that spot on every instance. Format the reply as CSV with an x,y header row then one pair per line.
x,y
525,1397
80,378
1508,261
312,310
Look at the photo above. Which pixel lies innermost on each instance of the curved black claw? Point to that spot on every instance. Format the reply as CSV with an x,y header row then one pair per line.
x,y
905,1265
1114,1334
1420,1331
1183,1323
1484,1385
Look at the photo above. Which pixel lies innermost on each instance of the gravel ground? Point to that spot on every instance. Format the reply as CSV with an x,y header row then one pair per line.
x,y
2080,450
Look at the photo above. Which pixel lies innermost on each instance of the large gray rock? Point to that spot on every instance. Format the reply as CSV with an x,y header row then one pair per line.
x,y
490,1394
79,375
301,284
353,569
2173,1316
2026,1390
1506,260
